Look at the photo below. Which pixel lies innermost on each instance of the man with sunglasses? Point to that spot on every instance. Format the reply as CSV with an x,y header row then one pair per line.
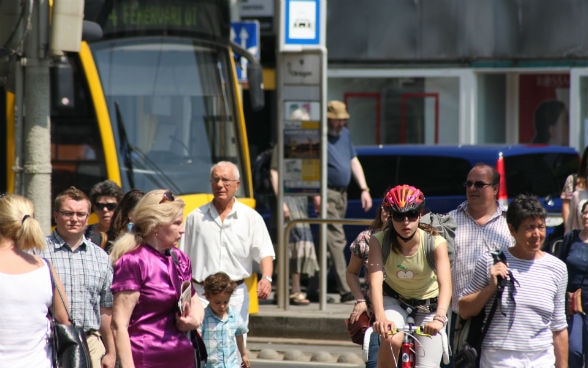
x,y
481,228
86,273
104,196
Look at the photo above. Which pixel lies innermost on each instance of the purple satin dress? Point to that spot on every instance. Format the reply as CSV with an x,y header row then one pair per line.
x,y
155,340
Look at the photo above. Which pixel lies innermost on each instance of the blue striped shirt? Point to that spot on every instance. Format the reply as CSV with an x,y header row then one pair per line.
x,y
538,308
86,274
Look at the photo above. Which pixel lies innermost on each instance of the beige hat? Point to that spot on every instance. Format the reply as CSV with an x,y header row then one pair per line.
x,y
337,110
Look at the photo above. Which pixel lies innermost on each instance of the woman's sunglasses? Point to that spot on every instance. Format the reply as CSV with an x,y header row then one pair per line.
x,y
412,215
168,196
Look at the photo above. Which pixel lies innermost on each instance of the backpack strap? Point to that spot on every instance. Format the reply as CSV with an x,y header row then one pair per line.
x,y
430,250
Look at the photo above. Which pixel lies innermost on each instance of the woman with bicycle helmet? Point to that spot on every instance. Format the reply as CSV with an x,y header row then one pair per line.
x,y
404,286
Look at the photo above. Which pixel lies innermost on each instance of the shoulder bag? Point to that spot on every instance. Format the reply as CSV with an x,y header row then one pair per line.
x,y
70,348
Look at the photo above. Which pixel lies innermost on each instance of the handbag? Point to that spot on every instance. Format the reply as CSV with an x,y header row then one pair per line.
x,y
356,330
70,348
574,302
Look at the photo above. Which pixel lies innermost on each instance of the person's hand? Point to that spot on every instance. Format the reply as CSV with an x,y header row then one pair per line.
x,y
108,360
316,202
286,211
245,363
433,327
185,322
264,288
358,309
383,327
498,270
366,200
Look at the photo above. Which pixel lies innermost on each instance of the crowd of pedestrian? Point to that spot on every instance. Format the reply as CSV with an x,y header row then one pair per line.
x,y
146,287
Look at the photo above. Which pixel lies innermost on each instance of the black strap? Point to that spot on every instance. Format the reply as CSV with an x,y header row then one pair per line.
x,y
53,288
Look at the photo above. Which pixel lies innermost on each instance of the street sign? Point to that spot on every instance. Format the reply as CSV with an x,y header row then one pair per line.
x,y
246,35
303,24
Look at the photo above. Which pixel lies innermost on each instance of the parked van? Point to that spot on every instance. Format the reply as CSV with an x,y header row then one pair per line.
x,y
440,172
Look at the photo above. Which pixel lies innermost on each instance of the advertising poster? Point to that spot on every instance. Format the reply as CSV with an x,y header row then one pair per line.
x,y
543,108
302,148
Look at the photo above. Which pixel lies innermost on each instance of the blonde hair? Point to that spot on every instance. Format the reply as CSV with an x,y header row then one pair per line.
x,y
153,209
18,224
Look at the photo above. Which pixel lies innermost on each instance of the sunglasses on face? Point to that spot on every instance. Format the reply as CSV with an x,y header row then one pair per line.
x,y
410,215
477,184
107,206
168,196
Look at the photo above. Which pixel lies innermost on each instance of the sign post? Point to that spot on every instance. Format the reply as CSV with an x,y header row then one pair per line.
x,y
301,91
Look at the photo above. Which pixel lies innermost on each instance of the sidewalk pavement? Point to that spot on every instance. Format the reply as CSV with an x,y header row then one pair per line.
x,y
301,321
303,333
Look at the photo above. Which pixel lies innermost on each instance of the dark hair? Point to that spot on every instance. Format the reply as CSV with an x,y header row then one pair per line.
x,y
524,206
584,206
120,218
106,188
545,116
495,174
582,173
219,283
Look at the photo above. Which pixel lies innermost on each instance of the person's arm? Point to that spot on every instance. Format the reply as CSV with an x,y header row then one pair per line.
x,y
242,351
352,277
264,286
565,212
358,174
572,222
560,347
470,305
123,306
381,325
444,279
59,306
109,359
274,179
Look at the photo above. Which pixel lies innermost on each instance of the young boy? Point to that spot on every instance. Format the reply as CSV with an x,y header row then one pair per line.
x,y
222,329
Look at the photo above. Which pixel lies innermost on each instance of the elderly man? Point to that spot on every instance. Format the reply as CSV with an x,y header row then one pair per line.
x,y
342,163
86,273
226,235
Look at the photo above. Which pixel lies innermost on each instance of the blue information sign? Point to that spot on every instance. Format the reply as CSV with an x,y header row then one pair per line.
x,y
302,22
246,35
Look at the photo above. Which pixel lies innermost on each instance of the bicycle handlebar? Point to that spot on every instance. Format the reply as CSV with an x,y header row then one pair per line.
x,y
410,329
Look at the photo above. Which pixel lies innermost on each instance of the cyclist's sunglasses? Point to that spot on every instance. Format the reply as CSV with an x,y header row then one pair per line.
x,y
168,196
412,215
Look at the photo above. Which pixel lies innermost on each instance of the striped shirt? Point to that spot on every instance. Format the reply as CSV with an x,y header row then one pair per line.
x,y
539,307
86,274
471,241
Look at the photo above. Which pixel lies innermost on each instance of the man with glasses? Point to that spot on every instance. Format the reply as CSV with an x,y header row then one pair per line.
x,y
104,197
481,228
86,273
227,235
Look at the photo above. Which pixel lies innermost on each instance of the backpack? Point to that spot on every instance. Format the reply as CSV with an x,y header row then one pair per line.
x,y
262,182
444,224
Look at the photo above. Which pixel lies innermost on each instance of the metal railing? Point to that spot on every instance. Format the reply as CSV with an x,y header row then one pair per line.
x,y
283,257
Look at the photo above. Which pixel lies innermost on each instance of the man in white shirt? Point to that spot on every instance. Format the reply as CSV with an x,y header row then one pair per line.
x,y
226,235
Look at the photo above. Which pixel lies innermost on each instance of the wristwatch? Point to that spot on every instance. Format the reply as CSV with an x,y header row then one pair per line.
x,y
268,278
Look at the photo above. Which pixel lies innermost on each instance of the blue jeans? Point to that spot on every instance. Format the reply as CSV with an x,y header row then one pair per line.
x,y
577,339
372,361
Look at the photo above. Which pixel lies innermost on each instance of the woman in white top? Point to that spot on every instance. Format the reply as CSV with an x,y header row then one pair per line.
x,y
25,288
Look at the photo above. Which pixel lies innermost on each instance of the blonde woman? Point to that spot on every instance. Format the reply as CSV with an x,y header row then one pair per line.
x,y
149,271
